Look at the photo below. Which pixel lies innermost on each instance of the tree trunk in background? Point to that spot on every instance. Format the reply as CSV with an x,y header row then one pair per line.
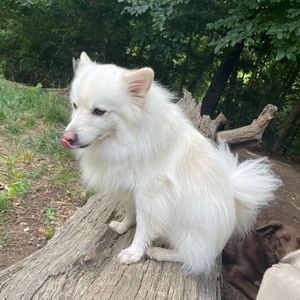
x,y
217,86
294,112
200,67
231,90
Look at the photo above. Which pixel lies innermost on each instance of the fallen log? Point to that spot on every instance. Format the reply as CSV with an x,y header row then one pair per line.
x,y
246,135
250,133
79,262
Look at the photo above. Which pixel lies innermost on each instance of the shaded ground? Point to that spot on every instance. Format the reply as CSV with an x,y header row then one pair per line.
x,y
286,207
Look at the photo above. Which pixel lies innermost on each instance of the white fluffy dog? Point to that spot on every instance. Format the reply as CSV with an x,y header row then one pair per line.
x,y
135,146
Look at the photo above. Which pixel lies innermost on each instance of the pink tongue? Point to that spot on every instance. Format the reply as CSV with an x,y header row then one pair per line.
x,y
65,143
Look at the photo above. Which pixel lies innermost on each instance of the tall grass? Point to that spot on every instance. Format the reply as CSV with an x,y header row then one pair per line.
x,y
32,118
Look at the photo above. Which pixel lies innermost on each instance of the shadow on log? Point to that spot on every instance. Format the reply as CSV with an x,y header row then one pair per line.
x,y
79,262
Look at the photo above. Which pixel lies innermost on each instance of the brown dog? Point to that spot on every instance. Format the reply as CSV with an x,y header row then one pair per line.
x,y
247,260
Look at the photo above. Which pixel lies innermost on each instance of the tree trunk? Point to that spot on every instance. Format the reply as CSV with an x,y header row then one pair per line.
x,y
295,110
217,86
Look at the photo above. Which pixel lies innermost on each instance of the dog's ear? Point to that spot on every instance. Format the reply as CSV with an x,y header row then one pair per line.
x,y
75,63
83,59
139,81
269,228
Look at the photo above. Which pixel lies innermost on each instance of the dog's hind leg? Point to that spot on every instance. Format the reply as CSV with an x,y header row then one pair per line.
x,y
162,254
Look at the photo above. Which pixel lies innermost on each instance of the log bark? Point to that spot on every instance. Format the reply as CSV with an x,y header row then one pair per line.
x,y
250,134
79,262
204,124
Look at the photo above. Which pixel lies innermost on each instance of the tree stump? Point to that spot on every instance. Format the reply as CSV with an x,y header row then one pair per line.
x,y
79,262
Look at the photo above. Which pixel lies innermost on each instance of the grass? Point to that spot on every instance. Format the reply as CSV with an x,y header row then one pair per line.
x,y
31,118
5,204
5,239
31,157
16,184
50,213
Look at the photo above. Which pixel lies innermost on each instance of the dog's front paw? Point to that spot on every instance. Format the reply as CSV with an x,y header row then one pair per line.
x,y
130,255
118,227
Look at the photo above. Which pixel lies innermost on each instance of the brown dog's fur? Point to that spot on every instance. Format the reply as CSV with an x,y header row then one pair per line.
x,y
247,260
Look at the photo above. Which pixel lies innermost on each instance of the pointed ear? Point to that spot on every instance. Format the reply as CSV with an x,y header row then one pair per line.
x,y
269,228
75,63
82,60
139,81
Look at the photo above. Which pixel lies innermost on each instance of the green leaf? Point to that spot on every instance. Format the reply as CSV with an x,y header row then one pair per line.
x,y
280,54
280,35
291,56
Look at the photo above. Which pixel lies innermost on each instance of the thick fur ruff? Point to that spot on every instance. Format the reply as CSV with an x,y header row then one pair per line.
x,y
146,155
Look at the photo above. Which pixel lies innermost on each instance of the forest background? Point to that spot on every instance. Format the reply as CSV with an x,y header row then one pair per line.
x,y
234,56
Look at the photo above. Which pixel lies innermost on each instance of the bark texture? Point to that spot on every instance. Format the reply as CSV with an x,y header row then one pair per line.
x,y
250,134
79,262
247,135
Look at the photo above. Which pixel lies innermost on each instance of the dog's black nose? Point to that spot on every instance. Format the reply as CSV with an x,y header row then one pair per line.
x,y
70,136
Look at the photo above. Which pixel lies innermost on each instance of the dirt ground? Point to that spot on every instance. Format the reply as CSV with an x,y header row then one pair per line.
x,y
25,223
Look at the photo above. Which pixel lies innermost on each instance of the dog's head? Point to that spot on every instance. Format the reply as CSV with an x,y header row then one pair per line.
x,y
106,101
278,240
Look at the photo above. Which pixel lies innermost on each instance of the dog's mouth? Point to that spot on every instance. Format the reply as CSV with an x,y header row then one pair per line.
x,y
71,146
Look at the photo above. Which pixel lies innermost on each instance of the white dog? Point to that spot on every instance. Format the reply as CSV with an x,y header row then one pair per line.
x,y
137,147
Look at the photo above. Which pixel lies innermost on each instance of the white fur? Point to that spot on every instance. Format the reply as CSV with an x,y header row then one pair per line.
x,y
147,156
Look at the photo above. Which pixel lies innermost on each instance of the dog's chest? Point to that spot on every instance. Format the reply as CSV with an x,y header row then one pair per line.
x,y
103,176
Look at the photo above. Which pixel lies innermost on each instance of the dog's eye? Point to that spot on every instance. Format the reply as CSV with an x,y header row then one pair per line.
x,y
74,105
99,112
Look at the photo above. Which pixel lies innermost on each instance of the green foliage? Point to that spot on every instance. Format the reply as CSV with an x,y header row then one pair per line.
x,y
50,213
261,21
15,185
5,239
5,204
184,41
161,12
39,38
49,233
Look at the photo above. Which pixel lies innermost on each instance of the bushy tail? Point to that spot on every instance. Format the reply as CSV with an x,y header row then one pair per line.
x,y
254,184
